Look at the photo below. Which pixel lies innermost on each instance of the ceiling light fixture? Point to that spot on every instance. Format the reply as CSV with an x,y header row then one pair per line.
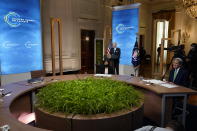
x,y
190,7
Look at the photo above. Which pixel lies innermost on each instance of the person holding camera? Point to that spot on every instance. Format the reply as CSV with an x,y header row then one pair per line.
x,y
158,53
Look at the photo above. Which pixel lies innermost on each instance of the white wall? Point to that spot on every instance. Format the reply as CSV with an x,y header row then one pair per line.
x,y
146,25
182,21
94,15
186,24
75,15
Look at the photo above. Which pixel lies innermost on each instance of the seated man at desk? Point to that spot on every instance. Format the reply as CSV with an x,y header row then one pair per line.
x,y
178,75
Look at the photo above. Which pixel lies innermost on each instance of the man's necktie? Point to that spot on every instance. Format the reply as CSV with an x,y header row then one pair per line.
x,y
175,74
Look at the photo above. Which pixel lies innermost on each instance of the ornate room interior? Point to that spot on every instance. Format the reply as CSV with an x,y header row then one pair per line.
x,y
76,38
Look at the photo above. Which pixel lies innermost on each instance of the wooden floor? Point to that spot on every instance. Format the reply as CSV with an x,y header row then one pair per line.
x,y
146,71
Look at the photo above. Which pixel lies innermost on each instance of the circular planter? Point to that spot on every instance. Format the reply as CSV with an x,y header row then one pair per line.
x,y
125,120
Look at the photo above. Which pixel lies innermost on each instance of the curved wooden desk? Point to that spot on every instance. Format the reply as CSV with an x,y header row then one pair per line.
x,y
20,99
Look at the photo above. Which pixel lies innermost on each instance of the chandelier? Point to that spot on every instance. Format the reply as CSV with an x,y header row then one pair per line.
x,y
190,7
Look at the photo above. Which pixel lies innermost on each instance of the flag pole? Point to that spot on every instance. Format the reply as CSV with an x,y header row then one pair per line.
x,y
136,57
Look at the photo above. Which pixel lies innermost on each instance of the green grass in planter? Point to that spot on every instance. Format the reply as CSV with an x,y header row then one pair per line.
x,y
88,96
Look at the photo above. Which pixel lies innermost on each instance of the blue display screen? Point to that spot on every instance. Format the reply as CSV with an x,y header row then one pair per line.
x,y
124,28
20,36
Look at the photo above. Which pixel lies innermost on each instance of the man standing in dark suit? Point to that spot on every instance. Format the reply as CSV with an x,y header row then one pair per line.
x,y
178,75
115,56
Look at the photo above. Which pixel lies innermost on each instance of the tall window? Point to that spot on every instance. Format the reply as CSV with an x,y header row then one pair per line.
x,y
163,23
162,27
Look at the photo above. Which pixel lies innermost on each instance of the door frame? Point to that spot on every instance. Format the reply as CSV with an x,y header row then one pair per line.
x,y
95,40
80,31
154,44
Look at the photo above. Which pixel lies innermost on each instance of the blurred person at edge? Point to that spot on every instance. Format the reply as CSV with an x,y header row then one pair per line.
x,y
171,126
192,63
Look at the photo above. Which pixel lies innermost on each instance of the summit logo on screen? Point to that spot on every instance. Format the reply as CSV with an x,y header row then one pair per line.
x,y
13,19
121,28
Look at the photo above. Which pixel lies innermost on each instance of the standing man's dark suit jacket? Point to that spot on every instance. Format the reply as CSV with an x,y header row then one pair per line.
x,y
181,78
115,56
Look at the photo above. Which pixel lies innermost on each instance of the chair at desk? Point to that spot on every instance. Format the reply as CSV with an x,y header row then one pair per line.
x,y
38,73
192,116
191,113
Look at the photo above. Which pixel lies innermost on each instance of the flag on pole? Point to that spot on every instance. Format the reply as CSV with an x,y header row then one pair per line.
x,y
135,55
109,47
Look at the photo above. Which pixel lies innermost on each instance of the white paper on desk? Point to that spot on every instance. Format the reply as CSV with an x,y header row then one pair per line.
x,y
102,75
154,81
168,85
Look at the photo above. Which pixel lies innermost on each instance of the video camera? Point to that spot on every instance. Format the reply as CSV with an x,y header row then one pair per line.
x,y
175,48
178,51
194,46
